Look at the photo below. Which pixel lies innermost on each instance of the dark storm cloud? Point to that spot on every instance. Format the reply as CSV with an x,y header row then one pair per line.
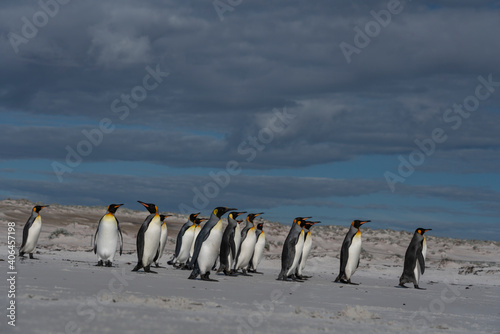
x,y
227,76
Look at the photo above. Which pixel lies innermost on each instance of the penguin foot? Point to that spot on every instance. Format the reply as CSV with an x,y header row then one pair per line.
x,y
109,264
402,285
256,272
147,269
244,273
137,267
192,276
419,288
32,257
99,263
296,279
351,283
206,277
171,262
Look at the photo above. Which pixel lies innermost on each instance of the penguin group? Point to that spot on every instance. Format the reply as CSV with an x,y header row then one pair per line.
x,y
239,250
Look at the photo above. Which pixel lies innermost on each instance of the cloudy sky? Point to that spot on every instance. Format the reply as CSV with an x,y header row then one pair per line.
x,y
380,110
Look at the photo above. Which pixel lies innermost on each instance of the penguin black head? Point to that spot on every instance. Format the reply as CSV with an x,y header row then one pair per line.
x,y
301,221
421,230
193,216
251,216
221,210
234,215
260,226
198,221
113,207
162,217
38,208
308,224
357,223
150,206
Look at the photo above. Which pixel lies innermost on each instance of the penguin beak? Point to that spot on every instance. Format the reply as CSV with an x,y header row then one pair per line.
x,y
258,214
364,222
305,218
316,223
143,203
231,209
429,229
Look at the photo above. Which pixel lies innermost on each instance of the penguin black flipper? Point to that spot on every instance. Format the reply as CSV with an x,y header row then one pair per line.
x,y
344,256
409,264
121,236
178,242
140,237
95,236
202,236
421,260
287,256
26,230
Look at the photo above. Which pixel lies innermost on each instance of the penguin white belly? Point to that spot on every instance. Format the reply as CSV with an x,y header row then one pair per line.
x,y
259,250
354,253
210,249
298,252
151,243
247,248
305,252
237,239
417,272
33,234
163,239
187,241
196,232
107,239
424,248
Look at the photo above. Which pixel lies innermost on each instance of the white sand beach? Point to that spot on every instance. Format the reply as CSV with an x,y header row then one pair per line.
x,y
63,291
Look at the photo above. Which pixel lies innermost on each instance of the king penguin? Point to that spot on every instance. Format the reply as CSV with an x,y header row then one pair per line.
x,y
248,240
163,240
31,232
148,239
207,245
184,241
414,265
350,252
106,237
259,249
228,245
197,229
237,238
292,250
306,249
